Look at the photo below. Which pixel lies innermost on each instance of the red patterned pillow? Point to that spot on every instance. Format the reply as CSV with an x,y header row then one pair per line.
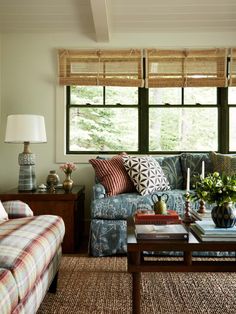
x,y
112,175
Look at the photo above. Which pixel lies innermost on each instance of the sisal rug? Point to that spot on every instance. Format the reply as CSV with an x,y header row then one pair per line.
x,y
89,285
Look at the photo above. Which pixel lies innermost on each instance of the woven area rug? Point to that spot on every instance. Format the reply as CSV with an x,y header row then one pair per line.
x,y
102,285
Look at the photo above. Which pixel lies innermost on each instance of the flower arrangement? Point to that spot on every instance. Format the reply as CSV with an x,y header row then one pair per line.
x,y
68,167
215,189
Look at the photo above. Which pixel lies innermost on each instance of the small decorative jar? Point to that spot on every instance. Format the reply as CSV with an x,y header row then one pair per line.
x,y
68,183
52,180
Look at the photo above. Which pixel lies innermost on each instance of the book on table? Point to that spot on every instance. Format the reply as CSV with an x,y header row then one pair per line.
x,y
224,236
161,232
200,216
172,217
208,227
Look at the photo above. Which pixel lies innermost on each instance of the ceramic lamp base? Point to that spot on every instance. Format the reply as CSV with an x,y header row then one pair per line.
x,y
27,178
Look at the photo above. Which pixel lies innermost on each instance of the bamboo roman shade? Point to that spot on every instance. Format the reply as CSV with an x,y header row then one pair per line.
x,y
186,68
232,71
101,67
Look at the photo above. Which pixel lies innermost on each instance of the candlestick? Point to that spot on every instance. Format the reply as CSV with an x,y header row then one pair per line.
x,y
203,169
187,219
188,180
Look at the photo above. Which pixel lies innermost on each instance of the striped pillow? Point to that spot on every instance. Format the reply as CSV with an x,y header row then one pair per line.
x,y
17,209
112,175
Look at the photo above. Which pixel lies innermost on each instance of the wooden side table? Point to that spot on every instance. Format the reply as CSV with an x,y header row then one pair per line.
x,y
69,206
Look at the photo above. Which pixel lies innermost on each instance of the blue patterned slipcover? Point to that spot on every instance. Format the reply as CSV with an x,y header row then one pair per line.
x,y
109,214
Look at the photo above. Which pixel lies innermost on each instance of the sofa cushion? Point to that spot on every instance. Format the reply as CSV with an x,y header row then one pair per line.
x,y
17,209
223,163
171,167
112,175
125,205
194,162
3,213
8,292
27,246
146,174
120,206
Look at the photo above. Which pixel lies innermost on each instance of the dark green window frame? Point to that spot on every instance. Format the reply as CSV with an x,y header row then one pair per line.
x,y
143,116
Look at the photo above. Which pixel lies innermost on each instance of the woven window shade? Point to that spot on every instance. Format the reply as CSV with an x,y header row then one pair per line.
x,y
102,67
181,68
232,72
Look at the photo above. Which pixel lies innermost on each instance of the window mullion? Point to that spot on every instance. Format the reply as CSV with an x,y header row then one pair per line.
x,y
223,120
68,94
143,121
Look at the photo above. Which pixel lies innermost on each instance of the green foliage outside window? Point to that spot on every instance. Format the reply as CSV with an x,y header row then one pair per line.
x,y
108,119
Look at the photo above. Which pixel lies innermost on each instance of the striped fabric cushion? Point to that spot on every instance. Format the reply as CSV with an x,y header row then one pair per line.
x,y
8,292
112,175
224,163
17,209
27,245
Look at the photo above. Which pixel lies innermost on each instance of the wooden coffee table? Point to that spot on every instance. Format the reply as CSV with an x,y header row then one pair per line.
x,y
138,264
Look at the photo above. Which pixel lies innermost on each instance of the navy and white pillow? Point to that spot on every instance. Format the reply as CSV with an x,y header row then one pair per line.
x,y
146,174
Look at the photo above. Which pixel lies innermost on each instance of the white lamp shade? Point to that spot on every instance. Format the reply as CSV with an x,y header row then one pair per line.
x,y
25,128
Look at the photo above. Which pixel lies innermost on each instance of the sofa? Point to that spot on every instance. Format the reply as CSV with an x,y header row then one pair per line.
x,y
109,213
30,254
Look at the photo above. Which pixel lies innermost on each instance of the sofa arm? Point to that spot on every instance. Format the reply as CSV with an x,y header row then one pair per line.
x,y
17,209
98,191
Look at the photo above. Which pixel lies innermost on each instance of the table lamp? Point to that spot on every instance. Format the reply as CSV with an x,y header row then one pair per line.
x,y
26,129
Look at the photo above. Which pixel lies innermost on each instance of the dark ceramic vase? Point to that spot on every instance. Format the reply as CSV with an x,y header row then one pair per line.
x,y
224,216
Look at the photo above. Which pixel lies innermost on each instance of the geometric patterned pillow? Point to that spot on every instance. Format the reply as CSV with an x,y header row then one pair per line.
x,y
112,175
224,163
146,174
17,209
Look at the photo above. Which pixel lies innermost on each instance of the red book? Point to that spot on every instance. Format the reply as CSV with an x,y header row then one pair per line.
x,y
172,217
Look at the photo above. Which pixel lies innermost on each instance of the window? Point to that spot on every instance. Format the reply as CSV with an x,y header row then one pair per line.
x,y
102,119
114,119
188,102
183,119
232,118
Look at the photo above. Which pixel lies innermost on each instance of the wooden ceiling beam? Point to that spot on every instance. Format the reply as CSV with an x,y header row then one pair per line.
x,y
100,19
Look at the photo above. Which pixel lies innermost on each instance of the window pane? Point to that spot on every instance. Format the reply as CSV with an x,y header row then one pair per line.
x,y
232,129
103,129
82,95
201,95
121,95
232,95
183,129
161,96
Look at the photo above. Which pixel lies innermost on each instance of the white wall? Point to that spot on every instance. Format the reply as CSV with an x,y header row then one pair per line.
x,y
0,83
28,65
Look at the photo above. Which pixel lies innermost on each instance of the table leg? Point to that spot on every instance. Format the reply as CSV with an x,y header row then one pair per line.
x,y
188,258
136,293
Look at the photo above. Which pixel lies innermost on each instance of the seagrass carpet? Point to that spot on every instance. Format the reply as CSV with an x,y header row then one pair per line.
x,y
102,285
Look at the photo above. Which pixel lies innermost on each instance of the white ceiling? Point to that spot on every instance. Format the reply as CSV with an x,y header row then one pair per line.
x,y
102,18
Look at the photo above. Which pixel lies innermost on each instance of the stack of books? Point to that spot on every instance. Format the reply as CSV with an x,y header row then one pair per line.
x,y
200,216
161,232
172,217
206,230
